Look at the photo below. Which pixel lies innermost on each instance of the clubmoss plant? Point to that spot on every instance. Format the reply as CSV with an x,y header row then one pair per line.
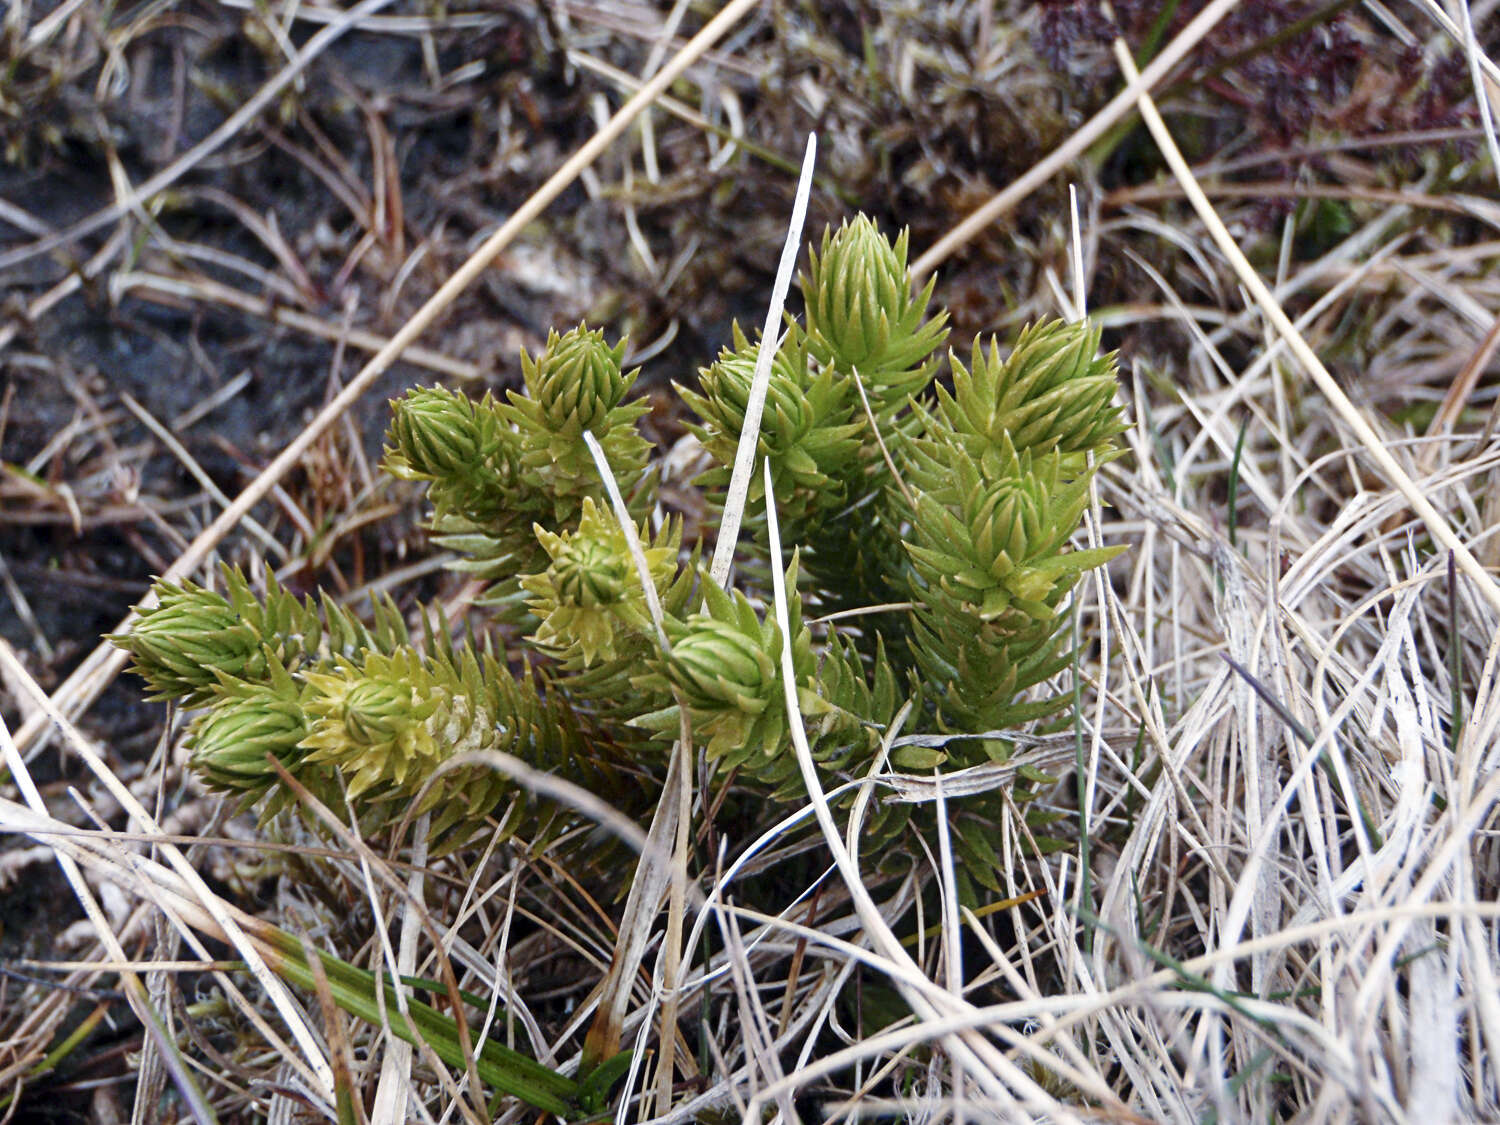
x,y
862,316
496,470
957,503
811,433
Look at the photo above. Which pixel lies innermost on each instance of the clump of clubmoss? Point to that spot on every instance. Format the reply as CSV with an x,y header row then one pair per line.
x,y
958,504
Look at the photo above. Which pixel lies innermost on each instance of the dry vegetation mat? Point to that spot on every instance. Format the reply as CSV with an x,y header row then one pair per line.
x,y
1054,679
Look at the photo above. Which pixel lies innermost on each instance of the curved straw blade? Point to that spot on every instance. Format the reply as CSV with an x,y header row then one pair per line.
x,y
770,340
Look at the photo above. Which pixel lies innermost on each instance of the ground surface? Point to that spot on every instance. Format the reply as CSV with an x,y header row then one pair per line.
x,y
232,304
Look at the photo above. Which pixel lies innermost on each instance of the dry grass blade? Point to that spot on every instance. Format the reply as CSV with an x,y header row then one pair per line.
x,y
653,875
632,536
663,862
1458,395
394,1089
770,338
